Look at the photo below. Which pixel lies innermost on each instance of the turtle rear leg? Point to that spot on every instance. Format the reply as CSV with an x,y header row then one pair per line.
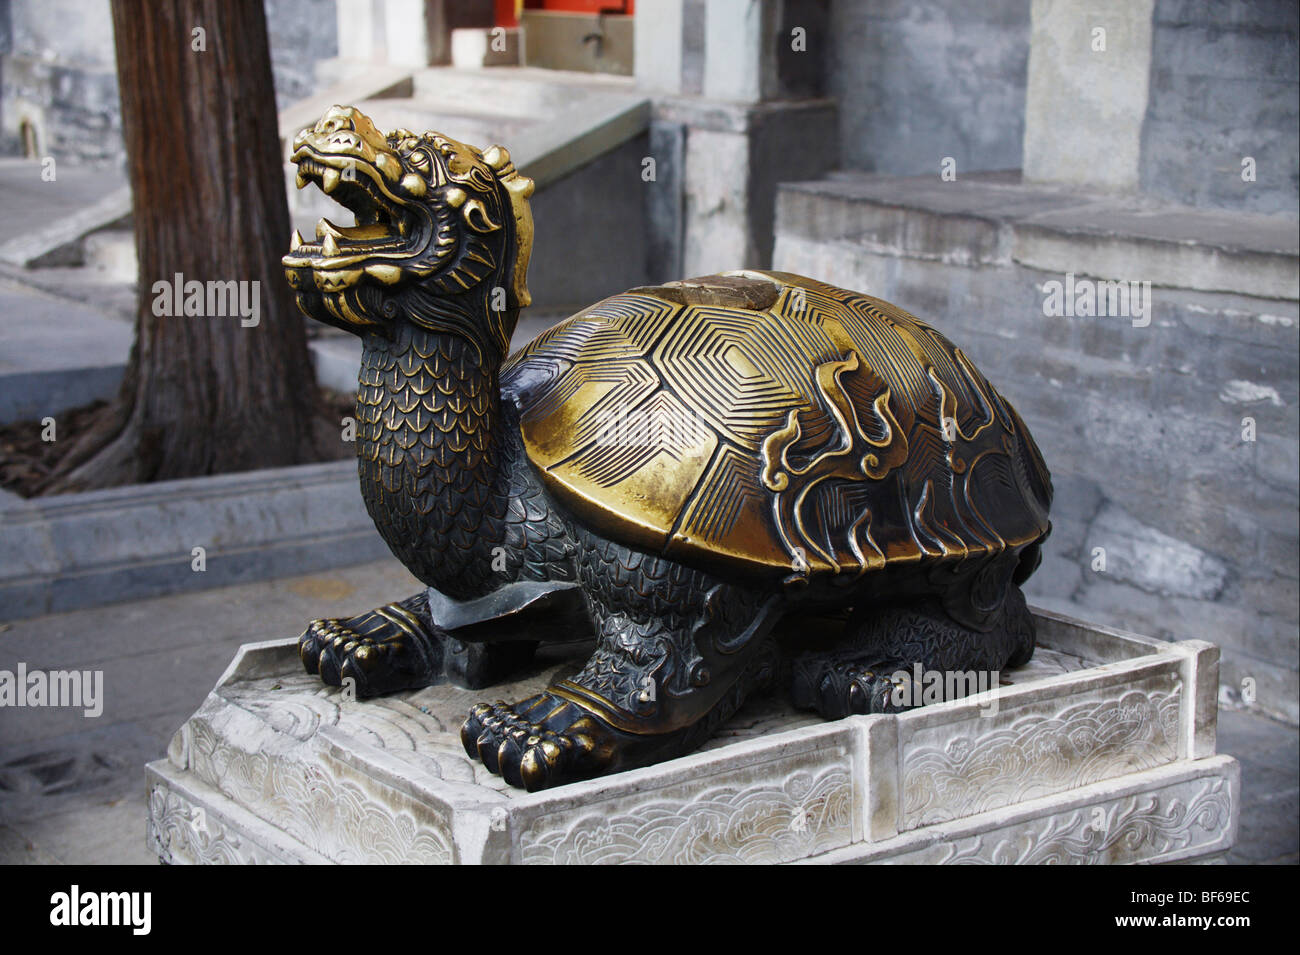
x,y
677,653
884,642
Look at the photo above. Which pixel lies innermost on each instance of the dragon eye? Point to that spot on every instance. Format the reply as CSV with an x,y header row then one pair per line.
x,y
419,160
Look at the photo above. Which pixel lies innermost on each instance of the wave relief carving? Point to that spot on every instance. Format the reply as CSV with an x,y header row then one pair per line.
x,y
1141,827
1038,756
775,822
333,816
179,834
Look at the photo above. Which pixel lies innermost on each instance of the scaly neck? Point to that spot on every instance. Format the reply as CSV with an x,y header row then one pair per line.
x,y
427,411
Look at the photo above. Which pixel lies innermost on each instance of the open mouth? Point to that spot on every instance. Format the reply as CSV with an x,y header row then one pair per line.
x,y
383,222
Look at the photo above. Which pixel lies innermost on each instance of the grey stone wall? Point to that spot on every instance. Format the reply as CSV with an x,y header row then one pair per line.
x,y
1224,85
301,32
58,78
917,81
6,44
585,251
58,72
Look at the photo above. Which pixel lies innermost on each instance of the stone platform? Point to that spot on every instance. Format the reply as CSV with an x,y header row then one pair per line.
x,y
1101,750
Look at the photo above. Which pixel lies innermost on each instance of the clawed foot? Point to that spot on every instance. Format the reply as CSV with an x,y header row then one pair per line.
x,y
380,651
844,688
542,742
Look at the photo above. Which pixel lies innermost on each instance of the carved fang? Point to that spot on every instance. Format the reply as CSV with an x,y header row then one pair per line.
x,y
330,180
388,274
329,247
295,240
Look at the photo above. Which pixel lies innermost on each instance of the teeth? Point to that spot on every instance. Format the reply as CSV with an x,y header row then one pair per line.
x,y
295,240
336,281
329,247
330,179
389,166
300,180
388,274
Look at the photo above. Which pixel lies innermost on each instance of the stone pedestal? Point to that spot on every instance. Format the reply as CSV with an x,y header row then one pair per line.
x,y
1101,750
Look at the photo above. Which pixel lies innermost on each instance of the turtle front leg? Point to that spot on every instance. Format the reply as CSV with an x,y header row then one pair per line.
x,y
677,653
399,647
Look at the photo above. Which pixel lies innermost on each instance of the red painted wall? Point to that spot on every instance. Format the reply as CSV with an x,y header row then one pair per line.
x,y
505,9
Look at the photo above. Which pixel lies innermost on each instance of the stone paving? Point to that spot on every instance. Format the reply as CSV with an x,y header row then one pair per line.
x,y
72,788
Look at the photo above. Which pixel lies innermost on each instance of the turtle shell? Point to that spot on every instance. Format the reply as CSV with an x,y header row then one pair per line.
x,y
764,422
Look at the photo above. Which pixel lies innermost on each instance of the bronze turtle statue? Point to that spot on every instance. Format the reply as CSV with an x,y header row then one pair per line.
x,y
670,471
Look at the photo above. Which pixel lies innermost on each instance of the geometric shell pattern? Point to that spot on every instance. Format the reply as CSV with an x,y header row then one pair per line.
x,y
774,423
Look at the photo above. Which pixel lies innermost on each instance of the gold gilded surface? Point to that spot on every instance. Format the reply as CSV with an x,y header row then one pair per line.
x,y
430,211
763,420
643,466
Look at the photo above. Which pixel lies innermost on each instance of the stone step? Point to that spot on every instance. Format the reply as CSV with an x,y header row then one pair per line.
x,y
351,82
555,124
43,369
993,219
111,253
58,213
514,91
75,551
421,115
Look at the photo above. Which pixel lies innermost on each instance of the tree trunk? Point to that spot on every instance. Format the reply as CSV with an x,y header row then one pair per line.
x,y
203,393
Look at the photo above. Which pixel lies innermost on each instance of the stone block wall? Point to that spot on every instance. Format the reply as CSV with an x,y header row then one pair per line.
x,y
918,81
1225,85
58,81
58,74
301,33
715,208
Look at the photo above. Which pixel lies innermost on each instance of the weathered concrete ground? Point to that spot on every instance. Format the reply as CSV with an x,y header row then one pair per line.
x,y
72,788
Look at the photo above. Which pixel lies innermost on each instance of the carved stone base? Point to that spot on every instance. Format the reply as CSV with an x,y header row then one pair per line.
x,y
1100,750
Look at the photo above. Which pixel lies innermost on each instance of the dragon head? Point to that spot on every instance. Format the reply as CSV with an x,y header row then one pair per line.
x,y
442,236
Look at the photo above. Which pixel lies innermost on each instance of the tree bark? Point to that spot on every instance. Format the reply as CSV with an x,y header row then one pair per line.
x,y
203,393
